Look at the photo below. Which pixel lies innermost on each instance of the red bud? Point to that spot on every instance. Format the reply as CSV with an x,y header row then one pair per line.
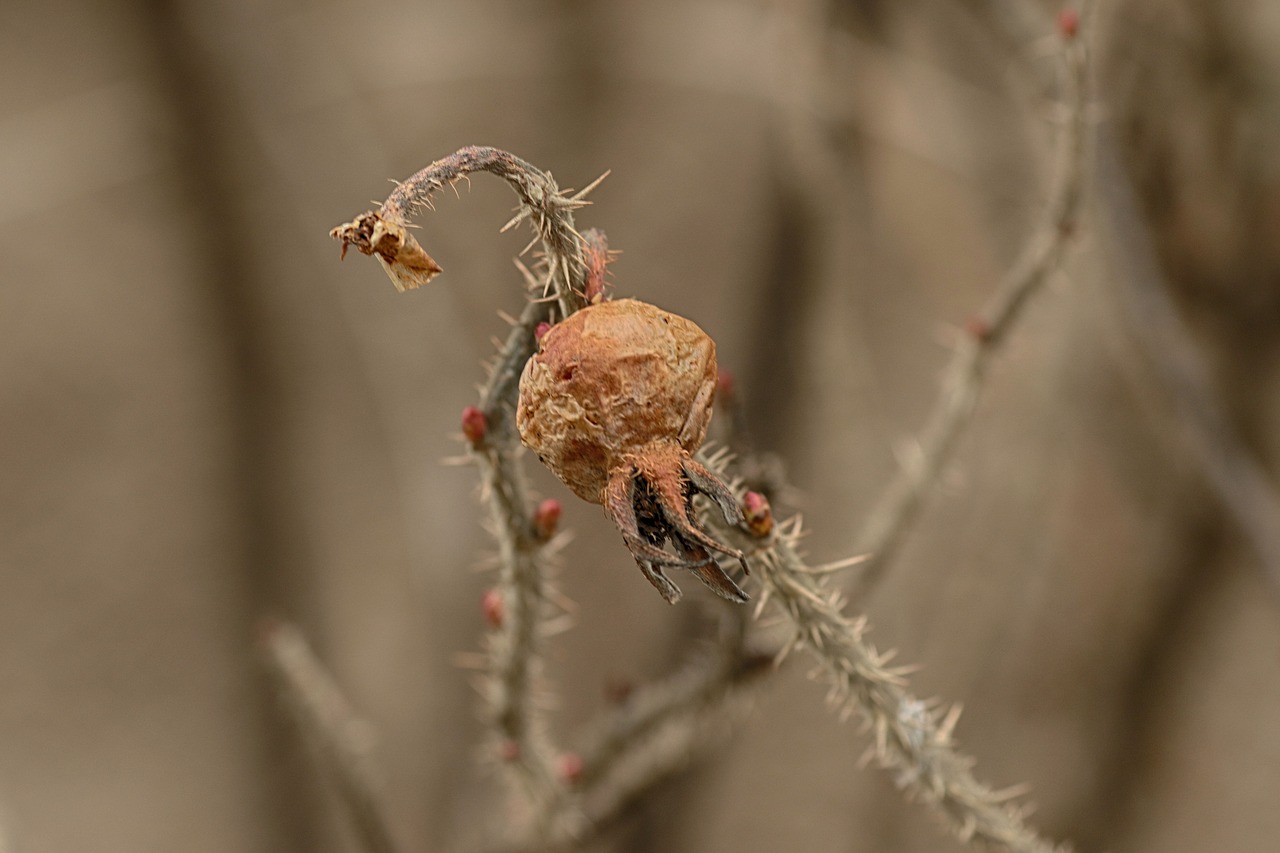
x,y
493,607
978,328
546,518
474,425
1068,23
755,507
570,767
724,384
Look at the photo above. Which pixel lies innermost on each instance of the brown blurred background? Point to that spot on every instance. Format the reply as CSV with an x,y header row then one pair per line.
x,y
206,418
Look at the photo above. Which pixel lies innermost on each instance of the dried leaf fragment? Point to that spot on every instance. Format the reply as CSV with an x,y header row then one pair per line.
x,y
407,264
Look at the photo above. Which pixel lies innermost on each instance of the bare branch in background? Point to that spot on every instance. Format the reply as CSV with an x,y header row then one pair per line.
x,y
899,505
1232,471
339,737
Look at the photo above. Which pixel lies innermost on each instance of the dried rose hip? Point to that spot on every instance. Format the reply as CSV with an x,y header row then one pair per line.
x,y
614,402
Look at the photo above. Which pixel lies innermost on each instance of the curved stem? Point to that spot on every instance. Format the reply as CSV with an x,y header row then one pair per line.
x,y
891,518
523,584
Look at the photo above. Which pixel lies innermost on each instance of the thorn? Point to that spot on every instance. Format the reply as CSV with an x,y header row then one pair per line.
x,y
582,193
948,724
521,215
471,661
786,649
529,279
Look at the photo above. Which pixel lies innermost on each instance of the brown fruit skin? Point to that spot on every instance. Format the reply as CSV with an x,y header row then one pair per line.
x,y
611,382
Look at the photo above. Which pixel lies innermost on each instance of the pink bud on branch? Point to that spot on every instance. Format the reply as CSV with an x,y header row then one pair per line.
x,y
1068,23
978,328
759,514
724,384
546,518
493,607
569,767
474,425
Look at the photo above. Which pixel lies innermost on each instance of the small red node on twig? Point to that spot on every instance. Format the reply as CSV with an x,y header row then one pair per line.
x,y
569,767
759,515
540,330
546,518
474,425
724,384
1068,22
977,327
267,629
493,607
595,251
509,751
618,690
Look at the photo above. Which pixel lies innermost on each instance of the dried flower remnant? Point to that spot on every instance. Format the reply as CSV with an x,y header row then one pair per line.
x,y
615,402
406,263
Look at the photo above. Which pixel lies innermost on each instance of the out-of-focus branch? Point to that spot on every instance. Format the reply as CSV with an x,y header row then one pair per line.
x,y
1231,470
659,730
899,505
339,737
696,685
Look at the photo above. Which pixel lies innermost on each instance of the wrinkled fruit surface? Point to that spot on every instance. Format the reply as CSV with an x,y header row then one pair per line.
x,y
615,402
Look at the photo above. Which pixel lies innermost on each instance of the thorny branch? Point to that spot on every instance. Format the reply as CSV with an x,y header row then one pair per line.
x,y
669,712
523,585
899,505
912,737
338,736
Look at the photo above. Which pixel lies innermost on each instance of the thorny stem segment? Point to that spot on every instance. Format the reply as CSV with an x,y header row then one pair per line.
x,y
335,731
514,665
383,233
900,503
912,737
